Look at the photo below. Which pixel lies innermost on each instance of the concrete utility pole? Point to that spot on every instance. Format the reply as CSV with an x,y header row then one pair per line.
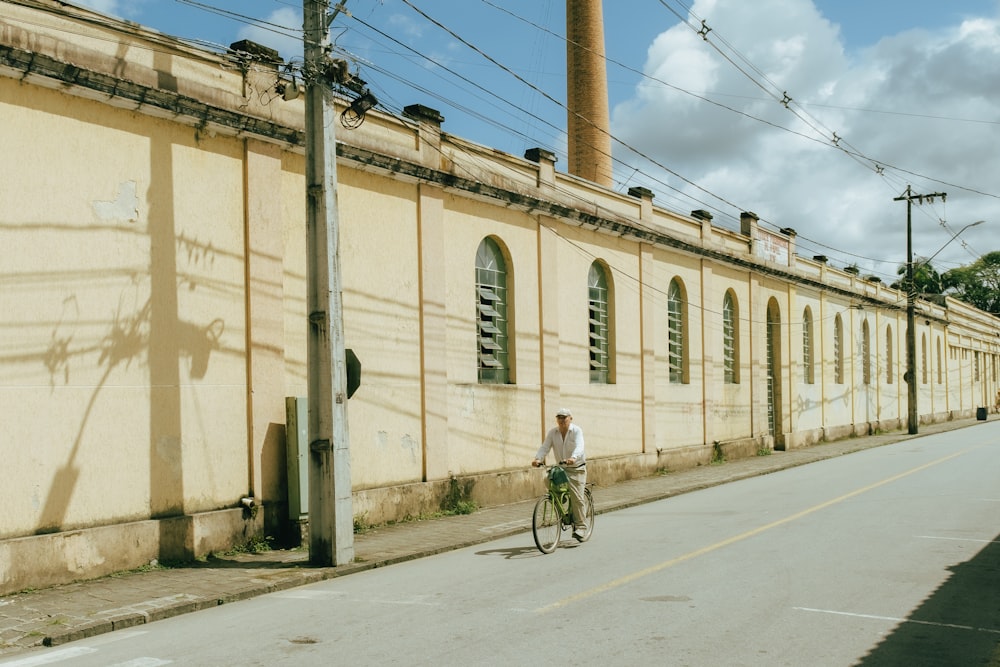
x,y
912,416
331,520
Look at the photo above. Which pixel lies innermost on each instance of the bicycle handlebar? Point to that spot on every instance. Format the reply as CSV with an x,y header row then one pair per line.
x,y
547,466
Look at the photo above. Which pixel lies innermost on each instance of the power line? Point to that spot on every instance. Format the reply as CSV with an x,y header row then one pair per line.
x,y
285,31
829,138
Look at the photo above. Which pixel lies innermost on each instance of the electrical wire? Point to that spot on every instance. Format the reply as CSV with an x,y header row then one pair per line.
x,y
237,16
771,90
507,102
278,29
824,132
285,31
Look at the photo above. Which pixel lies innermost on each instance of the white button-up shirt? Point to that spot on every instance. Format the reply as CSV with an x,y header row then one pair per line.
x,y
570,447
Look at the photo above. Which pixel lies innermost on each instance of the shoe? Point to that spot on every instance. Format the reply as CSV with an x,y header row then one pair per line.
x,y
578,535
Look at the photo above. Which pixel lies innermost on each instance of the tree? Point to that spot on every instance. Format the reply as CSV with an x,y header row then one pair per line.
x,y
977,284
926,279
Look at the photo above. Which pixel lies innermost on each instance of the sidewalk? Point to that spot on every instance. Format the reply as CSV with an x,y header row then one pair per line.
x,y
62,614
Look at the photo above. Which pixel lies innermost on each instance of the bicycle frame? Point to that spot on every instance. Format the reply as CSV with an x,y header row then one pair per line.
x,y
560,499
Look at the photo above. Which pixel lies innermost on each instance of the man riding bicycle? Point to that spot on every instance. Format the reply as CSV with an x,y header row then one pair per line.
x,y
566,440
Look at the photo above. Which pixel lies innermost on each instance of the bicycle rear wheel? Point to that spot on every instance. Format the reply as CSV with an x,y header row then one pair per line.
x,y
588,513
546,526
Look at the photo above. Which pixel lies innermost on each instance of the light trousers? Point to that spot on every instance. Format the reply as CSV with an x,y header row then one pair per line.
x,y
577,483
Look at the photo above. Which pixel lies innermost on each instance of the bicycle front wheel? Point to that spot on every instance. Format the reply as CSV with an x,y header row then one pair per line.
x,y
588,513
546,525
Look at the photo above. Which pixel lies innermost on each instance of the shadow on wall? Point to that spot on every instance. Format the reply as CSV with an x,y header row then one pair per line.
x,y
127,342
957,625
140,332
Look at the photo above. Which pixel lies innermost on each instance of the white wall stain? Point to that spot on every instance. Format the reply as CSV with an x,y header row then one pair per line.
x,y
123,209
82,554
408,443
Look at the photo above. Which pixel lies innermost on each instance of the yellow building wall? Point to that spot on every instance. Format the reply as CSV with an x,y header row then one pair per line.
x,y
380,272
727,405
808,412
679,405
490,426
265,312
126,326
610,414
290,191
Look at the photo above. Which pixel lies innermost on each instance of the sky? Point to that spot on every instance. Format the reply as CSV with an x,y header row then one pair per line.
x,y
814,114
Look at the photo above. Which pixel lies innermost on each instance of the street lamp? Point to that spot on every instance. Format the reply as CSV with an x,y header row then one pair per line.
x,y
971,224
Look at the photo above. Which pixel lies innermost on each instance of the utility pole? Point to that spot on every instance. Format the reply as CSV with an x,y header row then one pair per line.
x,y
331,521
912,416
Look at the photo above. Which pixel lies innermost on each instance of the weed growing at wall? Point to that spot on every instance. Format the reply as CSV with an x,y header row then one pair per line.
x,y
458,500
718,456
255,545
361,524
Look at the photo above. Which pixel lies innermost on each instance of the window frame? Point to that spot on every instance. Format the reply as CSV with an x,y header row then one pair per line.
x,y
923,358
838,350
866,356
940,364
730,339
889,369
677,344
808,346
599,324
492,313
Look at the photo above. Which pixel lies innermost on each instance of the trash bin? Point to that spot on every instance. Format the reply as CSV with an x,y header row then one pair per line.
x,y
981,414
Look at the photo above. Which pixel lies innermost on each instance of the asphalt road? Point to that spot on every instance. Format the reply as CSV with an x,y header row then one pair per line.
x,y
889,556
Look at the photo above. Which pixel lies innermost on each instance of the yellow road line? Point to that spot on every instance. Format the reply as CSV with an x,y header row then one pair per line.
x,y
629,578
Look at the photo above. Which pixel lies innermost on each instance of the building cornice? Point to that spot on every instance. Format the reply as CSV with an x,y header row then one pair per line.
x,y
51,73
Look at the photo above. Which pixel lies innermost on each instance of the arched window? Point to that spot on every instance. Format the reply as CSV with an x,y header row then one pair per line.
x,y
866,357
838,350
923,359
889,370
600,329
808,374
730,339
676,332
940,363
492,315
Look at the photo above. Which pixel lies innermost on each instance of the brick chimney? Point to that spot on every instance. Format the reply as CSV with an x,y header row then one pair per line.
x,y
588,123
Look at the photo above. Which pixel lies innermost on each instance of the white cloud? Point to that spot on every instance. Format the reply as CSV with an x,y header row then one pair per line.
x,y
406,26
927,80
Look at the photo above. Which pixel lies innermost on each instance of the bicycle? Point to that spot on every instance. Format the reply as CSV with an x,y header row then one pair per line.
x,y
552,513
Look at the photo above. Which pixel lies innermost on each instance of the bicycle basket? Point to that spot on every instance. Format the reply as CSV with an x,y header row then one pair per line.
x,y
558,480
